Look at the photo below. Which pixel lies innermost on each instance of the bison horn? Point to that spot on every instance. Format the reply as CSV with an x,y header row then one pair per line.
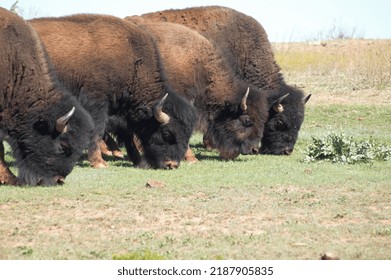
x,y
160,116
62,122
305,99
277,107
243,104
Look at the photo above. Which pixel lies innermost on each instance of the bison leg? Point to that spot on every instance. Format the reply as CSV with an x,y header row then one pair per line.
x,y
95,155
104,149
112,146
132,149
207,144
6,176
189,156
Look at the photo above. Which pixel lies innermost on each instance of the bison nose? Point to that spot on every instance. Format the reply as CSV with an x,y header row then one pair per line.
x,y
171,164
288,152
255,151
60,180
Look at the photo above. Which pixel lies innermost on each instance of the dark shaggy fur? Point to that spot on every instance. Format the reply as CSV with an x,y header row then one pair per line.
x,y
281,130
247,49
31,101
113,67
198,71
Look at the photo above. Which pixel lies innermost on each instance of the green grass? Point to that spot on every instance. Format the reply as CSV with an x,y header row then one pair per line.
x,y
256,207
360,121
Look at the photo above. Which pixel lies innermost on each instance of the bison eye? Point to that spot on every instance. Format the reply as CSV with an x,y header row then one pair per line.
x,y
41,126
247,123
169,137
65,148
280,125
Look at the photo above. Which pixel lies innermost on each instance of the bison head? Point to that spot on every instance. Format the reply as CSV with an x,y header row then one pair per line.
x,y
49,140
165,131
286,114
237,128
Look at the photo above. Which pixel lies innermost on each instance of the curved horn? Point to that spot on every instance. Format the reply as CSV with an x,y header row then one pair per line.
x,y
159,115
243,104
305,99
277,107
62,122
282,98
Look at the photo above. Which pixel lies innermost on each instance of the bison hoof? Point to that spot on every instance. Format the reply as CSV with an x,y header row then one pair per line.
x,y
107,153
100,164
118,154
191,160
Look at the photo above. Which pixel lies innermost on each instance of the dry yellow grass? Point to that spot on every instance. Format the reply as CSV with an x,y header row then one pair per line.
x,y
339,70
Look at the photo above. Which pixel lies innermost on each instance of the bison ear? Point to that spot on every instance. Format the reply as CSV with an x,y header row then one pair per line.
x,y
305,99
278,108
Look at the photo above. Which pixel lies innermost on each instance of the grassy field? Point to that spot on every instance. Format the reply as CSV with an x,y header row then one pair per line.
x,y
256,207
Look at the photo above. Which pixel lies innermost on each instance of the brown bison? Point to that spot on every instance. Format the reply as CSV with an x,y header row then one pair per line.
x,y
231,112
247,49
45,126
113,67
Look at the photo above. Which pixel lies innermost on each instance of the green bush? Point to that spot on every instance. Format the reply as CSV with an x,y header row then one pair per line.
x,y
344,149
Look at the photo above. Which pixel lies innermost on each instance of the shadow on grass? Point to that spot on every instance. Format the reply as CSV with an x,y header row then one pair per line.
x,y
200,152
112,161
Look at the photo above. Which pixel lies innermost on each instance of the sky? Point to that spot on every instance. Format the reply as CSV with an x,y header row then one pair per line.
x,y
283,20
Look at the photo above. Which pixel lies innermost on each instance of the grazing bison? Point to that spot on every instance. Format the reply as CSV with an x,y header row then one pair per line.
x,y
45,126
231,112
113,67
247,49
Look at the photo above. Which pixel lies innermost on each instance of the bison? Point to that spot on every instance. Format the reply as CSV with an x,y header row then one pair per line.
x,y
231,112
44,124
114,69
248,51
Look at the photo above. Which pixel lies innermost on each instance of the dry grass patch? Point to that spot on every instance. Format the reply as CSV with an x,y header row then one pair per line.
x,y
357,69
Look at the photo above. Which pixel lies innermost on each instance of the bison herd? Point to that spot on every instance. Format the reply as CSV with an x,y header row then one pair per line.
x,y
76,83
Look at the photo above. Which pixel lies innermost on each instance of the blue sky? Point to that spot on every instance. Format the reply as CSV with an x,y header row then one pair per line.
x,y
283,20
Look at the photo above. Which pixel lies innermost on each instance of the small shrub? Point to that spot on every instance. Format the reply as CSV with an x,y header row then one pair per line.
x,y
344,149
26,251
338,31
383,231
15,7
